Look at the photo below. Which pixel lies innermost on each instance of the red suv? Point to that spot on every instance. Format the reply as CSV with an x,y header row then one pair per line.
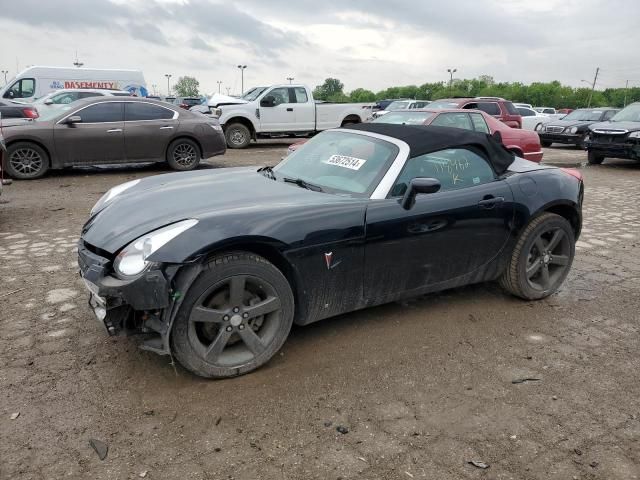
x,y
498,108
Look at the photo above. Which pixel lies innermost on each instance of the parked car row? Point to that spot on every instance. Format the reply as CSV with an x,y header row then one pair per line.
x,y
617,138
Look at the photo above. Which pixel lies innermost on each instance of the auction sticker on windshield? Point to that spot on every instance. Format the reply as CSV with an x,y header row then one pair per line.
x,y
352,163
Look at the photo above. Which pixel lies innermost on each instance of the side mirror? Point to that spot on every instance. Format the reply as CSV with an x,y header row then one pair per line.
x,y
416,186
48,102
497,136
10,94
268,101
72,120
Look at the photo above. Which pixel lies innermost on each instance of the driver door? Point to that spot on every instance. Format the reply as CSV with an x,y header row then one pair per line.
x,y
277,112
453,233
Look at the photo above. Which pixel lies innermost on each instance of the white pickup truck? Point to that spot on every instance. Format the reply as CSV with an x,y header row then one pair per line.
x,y
280,110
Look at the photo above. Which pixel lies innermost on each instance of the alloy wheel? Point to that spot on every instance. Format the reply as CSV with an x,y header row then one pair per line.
x,y
185,154
234,321
237,137
26,161
548,259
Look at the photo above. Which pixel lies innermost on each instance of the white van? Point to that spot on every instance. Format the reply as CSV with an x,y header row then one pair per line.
x,y
35,82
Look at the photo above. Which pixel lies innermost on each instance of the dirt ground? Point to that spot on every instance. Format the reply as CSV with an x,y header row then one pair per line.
x,y
423,387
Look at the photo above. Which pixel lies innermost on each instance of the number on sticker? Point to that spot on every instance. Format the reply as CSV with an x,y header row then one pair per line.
x,y
345,161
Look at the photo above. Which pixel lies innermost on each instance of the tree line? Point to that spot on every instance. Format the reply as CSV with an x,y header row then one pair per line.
x,y
549,94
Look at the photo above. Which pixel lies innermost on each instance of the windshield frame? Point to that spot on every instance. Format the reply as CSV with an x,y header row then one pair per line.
x,y
251,95
584,111
407,104
385,182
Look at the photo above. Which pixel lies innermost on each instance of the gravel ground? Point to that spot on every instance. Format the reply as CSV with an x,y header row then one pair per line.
x,y
422,387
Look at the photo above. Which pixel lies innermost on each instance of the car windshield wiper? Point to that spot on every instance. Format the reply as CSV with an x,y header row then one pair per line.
x,y
268,172
303,184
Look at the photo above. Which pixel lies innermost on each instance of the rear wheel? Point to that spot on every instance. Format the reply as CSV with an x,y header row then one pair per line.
x,y
183,154
541,259
26,161
234,318
237,135
595,158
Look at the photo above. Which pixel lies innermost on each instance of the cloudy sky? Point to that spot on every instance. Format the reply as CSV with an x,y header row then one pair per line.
x,y
365,43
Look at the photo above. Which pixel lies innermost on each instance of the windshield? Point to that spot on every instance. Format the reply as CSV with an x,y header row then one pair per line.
x,y
404,118
444,104
629,114
253,93
52,112
340,162
584,115
398,106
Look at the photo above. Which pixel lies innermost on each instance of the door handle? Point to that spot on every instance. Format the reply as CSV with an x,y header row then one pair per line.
x,y
289,109
166,128
114,130
490,201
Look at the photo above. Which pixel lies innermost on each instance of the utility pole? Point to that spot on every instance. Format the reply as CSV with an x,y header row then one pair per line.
x,y
626,89
451,72
155,91
228,91
593,87
168,75
4,72
291,79
242,67
219,82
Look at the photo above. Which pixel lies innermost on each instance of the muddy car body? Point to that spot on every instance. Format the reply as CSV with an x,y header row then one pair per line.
x,y
217,272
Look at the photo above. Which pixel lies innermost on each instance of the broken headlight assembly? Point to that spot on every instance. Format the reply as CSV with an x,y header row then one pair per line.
x,y
132,260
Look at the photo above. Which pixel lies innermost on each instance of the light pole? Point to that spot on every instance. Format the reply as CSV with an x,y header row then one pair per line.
x,y
155,87
219,82
168,75
291,79
78,63
451,72
4,72
228,89
242,67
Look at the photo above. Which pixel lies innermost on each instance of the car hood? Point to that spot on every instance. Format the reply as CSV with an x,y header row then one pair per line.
x,y
570,123
164,199
218,99
630,126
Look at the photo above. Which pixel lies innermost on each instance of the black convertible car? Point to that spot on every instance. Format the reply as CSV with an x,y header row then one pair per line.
x,y
215,266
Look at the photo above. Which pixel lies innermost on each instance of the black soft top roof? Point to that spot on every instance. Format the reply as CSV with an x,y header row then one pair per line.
x,y
427,139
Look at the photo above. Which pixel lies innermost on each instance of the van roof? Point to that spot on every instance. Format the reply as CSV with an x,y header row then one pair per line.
x,y
81,69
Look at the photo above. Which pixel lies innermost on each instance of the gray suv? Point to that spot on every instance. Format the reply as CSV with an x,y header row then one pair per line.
x,y
110,130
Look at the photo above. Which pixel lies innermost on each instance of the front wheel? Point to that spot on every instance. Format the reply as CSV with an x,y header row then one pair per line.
x,y
594,158
545,143
26,161
541,259
183,155
234,318
237,136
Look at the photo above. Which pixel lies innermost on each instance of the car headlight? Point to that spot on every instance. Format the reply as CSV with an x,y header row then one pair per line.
x,y
573,130
634,134
132,260
111,194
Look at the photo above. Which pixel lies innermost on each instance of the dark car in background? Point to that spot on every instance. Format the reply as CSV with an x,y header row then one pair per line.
x,y
499,108
110,130
16,110
617,138
383,104
574,127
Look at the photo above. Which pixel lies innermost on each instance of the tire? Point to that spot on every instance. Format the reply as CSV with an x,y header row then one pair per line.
x,y
183,154
237,136
546,244
26,161
234,318
545,143
594,158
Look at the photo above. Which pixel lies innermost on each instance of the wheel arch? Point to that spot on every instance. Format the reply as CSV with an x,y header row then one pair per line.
x,y
242,120
350,120
566,210
271,250
181,137
35,142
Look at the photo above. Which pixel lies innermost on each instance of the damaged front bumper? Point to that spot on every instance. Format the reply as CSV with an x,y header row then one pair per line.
x,y
627,149
145,304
